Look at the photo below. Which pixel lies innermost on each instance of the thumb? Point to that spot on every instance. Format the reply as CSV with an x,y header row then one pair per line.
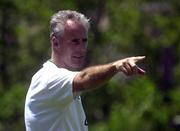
x,y
141,71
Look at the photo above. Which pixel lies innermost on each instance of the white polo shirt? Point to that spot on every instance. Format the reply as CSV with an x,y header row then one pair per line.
x,y
50,103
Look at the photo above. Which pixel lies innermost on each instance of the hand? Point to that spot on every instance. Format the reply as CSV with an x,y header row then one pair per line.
x,y
128,65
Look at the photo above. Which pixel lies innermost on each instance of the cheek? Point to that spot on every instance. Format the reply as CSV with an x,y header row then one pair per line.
x,y
68,54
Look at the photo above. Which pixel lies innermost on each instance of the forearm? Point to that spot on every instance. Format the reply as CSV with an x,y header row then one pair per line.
x,y
97,75
94,76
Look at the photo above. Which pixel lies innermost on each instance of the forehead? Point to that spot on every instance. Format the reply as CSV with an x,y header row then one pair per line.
x,y
74,28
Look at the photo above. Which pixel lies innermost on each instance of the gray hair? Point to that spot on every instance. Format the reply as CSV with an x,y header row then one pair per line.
x,y
60,18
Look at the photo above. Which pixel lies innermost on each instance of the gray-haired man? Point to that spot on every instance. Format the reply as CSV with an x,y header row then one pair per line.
x,y
53,101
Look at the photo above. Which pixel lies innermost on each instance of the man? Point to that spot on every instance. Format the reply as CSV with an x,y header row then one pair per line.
x,y
53,100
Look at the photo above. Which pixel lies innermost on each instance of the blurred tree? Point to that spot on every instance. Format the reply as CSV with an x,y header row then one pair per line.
x,y
119,29
7,40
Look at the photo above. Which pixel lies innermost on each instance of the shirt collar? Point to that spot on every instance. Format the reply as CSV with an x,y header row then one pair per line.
x,y
49,63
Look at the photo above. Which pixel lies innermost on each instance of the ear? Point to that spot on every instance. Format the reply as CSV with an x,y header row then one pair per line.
x,y
55,42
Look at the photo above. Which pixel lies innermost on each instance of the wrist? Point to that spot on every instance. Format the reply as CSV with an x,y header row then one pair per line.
x,y
117,65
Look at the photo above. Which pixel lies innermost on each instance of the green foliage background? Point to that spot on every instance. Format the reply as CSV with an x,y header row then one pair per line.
x,y
119,28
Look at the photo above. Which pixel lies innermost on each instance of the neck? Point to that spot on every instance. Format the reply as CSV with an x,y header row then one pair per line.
x,y
55,60
58,62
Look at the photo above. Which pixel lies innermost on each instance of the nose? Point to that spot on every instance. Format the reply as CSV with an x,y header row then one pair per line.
x,y
82,46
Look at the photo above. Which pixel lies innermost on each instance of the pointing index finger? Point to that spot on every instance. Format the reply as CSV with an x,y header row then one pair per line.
x,y
138,58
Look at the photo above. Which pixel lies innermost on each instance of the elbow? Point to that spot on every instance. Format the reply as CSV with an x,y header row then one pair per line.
x,y
79,82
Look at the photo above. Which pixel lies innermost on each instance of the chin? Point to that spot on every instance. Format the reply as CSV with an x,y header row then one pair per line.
x,y
78,67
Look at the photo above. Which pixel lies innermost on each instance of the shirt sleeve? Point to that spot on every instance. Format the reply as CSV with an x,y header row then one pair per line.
x,y
60,86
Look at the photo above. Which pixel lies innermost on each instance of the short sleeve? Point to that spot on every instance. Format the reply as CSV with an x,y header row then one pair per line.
x,y
60,86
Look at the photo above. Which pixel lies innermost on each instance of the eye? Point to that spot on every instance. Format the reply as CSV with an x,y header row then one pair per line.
x,y
75,41
84,40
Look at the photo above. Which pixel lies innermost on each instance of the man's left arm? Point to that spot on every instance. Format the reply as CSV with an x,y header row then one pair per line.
x,y
95,76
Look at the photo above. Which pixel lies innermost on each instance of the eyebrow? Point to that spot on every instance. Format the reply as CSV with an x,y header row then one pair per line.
x,y
77,40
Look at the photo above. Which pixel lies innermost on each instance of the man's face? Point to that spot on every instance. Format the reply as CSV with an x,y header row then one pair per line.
x,y
73,46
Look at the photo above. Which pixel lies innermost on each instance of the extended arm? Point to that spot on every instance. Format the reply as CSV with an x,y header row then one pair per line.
x,y
94,76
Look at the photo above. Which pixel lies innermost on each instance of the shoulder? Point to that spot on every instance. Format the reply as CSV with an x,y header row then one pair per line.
x,y
52,72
